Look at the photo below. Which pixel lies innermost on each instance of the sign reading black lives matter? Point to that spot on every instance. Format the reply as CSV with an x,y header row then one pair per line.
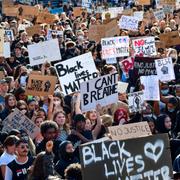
x,y
74,71
17,120
136,101
141,158
102,90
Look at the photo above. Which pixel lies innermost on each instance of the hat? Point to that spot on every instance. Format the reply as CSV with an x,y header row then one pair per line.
x,y
70,44
79,117
2,81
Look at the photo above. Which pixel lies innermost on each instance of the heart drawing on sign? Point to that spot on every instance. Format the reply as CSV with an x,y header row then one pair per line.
x,y
154,152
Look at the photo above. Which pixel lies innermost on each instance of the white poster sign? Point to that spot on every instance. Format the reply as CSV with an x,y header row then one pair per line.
x,y
115,47
136,101
151,87
159,15
139,15
7,51
74,71
144,46
44,52
102,90
165,69
55,32
129,23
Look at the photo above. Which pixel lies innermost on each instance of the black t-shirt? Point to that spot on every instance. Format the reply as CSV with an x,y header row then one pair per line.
x,y
19,171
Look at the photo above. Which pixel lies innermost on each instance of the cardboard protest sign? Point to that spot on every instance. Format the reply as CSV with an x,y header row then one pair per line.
x,y
115,47
141,158
127,64
7,50
129,23
101,90
55,32
136,102
144,66
44,51
9,36
44,17
74,71
1,42
77,11
165,69
144,46
151,87
96,32
122,87
17,120
36,29
170,38
129,131
139,15
11,11
143,2
159,15
169,2
40,85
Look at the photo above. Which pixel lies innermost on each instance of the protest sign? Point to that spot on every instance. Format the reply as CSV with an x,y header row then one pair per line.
x,y
151,87
101,90
9,36
11,11
144,66
44,51
141,158
165,69
40,85
77,11
144,46
86,3
44,17
96,32
170,38
115,47
168,9
17,120
139,15
114,11
111,61
122,87
169,2
159,15
136,102
74,71
54,32
129,23
1,42
143,2
129,131
127,64
33,30
7,50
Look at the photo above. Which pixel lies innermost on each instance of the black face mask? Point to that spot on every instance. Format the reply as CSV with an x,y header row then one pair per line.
x,y
174,60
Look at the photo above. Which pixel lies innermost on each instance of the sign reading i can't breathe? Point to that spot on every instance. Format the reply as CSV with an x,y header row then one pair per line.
x,y
115,47
141,158
74,71
102,90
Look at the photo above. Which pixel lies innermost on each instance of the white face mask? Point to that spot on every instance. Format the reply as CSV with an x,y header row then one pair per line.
x,y
56,103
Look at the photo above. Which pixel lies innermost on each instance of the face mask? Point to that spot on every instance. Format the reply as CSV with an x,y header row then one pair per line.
x,y
56,103
171,110
165,91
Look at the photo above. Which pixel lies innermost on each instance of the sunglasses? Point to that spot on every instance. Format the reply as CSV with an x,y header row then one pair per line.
x,y
24,146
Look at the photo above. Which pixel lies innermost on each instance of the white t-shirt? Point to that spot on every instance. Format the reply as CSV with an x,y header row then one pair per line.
x,y
6,158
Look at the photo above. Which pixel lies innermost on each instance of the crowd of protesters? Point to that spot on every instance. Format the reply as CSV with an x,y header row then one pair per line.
x,y
54,154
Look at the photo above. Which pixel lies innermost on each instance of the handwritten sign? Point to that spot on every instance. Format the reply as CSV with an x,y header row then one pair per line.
x,y
165,69
127,64
36,29
139,15
40,85
9,36
115,47
101,90
142,158
129,23
159,15
17,120
74,71
44,51
136,102
55,32
143,2
151,87
122,87
168,9
129,131
44,17
144,47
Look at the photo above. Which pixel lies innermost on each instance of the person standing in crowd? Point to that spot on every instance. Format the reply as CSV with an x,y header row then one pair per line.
x,y
18,168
